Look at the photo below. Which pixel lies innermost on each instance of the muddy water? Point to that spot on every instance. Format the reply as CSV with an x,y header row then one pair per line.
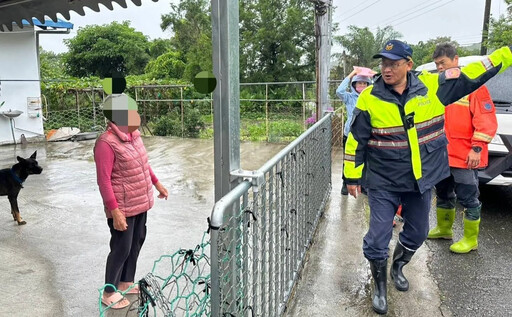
x,y
54,265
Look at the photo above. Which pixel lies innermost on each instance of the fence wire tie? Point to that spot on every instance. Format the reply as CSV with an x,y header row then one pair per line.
x,y
189,255
253,217
149,282
286,231
210,226
281,177
145,295
293,211
207,287
252,310
294,155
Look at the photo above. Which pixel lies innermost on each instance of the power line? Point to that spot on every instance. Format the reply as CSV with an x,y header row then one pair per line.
x,y
361,10
405,13
414,17
354,8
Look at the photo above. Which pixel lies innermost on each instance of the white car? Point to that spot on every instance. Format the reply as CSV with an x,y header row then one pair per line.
x,y
499,170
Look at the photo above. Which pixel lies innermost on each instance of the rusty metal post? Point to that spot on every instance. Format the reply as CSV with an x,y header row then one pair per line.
x,y
323,9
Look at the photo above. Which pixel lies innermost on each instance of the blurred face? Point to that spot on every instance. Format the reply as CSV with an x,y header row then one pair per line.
x,y
395,72
361,85
133,122
444,62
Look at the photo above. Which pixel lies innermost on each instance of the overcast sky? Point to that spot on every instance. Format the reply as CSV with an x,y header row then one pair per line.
x,y
417,20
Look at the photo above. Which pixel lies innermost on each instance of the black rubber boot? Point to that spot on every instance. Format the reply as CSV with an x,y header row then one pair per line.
x,y
401,257
344,190
379,300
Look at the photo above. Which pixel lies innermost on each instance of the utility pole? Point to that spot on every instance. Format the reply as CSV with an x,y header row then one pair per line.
x,y
323,9
485,28
344,64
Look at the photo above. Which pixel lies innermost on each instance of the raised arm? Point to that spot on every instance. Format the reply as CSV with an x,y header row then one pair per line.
x,y
341,91
455,83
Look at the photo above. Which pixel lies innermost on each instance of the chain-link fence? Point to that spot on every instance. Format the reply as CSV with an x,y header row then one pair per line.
x,y
263,228
250,260
77,108
274,112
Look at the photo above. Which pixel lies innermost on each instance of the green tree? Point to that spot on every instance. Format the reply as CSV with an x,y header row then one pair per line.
x,y
51,64
167,65
277,40
500,30
360,44
159,47
100,50
190,23
423,51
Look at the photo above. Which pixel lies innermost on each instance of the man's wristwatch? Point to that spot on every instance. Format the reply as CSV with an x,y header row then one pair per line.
x,y
476,149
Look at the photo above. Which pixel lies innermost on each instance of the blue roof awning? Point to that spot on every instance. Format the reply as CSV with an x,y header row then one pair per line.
x,y
60,24
14,11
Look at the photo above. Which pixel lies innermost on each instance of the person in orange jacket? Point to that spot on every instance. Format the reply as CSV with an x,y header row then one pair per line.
x,y
470,124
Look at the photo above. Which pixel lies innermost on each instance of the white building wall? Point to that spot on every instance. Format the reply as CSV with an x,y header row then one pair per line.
x,y
19,84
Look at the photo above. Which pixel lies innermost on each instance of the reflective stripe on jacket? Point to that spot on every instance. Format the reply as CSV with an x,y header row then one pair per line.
x,y
470,121
404,146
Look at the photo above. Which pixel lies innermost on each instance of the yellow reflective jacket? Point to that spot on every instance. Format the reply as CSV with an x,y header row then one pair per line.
x,y
403,145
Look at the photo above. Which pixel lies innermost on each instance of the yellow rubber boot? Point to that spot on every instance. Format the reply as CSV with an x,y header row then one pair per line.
x,y
470,240
443,230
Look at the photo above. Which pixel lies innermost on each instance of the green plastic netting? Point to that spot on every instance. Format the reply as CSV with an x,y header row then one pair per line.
x,y
178,285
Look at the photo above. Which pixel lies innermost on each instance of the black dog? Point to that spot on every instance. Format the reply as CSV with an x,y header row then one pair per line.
x,y
11,182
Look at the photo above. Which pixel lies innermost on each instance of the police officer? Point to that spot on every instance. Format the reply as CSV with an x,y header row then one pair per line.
x,y
397,132
470,124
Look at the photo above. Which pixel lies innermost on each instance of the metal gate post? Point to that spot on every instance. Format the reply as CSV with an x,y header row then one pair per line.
x,y
226,126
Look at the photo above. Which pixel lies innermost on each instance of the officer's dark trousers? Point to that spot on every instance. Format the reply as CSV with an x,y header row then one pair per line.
x,y
462,184
124,250
383,206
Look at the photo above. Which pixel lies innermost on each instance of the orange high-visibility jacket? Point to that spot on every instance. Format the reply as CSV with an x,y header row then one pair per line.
x,y
470,121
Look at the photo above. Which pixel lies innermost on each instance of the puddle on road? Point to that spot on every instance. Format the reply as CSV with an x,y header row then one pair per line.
x,y
66,228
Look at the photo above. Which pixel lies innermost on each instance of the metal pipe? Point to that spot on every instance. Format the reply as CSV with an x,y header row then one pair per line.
x,y
12,131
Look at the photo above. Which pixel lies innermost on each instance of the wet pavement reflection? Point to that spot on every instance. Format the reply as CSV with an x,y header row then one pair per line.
x,y
54,265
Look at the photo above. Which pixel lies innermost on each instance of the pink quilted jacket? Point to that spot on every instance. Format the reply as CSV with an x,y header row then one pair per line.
x,y
131,180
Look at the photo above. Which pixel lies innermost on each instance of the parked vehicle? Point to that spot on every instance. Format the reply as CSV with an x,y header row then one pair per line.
x,y
499,170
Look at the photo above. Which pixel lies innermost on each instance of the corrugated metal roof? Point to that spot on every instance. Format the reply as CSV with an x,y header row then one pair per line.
x,y
15,11
60,24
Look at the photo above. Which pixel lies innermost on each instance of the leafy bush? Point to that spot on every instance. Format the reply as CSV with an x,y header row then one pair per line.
x,y
170,124
253,131
284,130
168,65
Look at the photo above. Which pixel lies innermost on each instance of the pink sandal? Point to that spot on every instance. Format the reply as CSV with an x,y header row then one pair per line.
x,y
115,301
133,289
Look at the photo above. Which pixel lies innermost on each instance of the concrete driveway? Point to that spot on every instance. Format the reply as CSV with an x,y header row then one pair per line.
x,y
54,265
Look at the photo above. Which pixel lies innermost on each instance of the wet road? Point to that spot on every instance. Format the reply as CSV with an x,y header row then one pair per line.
x,y
54,265
479,283
336,279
